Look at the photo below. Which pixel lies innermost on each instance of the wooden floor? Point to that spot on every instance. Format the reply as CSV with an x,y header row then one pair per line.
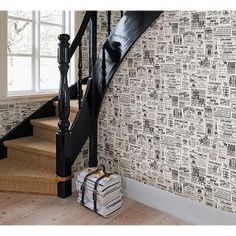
x,y
28,209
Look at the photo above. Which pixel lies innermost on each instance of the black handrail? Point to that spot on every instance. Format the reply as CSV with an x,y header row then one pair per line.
x,y
88,15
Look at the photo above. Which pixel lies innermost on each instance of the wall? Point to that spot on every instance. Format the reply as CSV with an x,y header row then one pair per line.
x,y
168,118
12,114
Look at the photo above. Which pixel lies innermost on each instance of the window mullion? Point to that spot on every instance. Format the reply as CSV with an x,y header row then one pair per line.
x,y
19,18
67,29
63,22
33,51
3,54
37,52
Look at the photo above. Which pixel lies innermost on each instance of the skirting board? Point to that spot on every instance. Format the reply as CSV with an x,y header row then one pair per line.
x,y
188,210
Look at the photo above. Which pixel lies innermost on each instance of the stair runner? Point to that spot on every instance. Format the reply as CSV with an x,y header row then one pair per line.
x,y
31,163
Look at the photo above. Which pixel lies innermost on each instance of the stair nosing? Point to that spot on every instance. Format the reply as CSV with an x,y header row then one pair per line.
x,y
38,124
25,178
9,144
72,108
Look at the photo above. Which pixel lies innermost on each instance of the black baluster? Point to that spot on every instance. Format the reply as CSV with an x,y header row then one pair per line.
x,y
108,22
104,73
93,161
80,73
64,94
121,14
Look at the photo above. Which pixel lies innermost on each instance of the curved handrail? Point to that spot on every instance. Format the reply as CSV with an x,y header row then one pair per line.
x,y
135,23
129,29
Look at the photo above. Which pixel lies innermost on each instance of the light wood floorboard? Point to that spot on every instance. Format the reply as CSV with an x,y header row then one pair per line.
x,y
29,209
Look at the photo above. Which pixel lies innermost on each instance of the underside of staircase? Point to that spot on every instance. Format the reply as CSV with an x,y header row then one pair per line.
x,y
30,165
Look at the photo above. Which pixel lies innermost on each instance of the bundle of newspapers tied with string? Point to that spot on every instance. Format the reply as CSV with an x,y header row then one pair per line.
x,y
99,191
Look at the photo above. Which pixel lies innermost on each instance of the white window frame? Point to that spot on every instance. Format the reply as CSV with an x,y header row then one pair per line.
x,y
32,56
35,94
3,54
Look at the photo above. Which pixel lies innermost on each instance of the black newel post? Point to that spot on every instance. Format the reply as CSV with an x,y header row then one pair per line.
x,y
64,94
63,165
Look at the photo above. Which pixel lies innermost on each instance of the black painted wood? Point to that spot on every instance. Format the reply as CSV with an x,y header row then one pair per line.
x,y
63,163
80,75
80,129
108,23
93,95
104,73
113,49
80,33
85,80
130,27
64,93
63,141
64,189
64,136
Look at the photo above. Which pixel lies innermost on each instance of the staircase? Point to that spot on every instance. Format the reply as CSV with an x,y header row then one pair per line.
x,y
31,163
37,155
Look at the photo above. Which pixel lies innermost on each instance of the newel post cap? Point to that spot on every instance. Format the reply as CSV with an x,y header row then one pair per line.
x,y
64,37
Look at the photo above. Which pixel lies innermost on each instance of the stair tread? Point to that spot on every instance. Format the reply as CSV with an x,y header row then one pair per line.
x,y
34,145
10,169
46,122
73,105
50,123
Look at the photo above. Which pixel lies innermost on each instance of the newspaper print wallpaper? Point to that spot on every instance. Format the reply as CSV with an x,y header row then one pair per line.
x,y
12,114
169,115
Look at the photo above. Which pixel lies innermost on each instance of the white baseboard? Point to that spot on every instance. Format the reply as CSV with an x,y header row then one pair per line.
x,y
188,210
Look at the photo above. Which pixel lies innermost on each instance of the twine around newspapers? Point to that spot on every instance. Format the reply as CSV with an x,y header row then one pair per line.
x,y
83,186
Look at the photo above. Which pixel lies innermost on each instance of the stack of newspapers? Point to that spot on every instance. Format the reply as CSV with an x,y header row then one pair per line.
x,y
108,194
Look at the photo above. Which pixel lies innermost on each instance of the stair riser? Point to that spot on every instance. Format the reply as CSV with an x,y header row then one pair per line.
x,y
28,187
45,134
72,116
32,159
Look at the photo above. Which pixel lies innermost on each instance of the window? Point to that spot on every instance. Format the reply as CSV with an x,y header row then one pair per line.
x,y
32,50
